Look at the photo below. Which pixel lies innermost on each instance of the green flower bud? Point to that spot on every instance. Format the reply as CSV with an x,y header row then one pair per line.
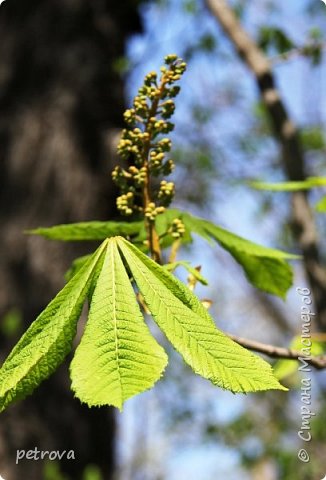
x,y
177,229
168,59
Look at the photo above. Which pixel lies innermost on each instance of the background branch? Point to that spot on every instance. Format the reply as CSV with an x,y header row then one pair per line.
x,y
286,133
319,362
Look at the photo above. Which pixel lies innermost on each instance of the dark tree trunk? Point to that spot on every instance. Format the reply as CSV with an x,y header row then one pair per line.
x,y
60,105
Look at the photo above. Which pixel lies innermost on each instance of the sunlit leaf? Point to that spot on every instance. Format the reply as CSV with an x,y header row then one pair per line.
x,y
192,332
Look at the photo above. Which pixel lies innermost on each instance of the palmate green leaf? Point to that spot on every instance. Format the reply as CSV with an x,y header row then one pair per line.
x,y
191,330
266,268
309,183
89,230
49,338
117,356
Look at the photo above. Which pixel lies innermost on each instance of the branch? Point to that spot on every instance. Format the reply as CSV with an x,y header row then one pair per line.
x,y
286,133
319,362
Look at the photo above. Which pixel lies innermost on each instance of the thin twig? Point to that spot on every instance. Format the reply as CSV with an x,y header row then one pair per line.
x,y
319,362
174,251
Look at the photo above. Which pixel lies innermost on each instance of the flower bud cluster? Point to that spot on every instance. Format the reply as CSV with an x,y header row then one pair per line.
x,y
166,192
151,211
144,145
177,229
125,203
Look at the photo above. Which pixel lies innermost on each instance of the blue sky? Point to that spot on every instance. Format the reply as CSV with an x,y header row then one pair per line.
x,y
167,30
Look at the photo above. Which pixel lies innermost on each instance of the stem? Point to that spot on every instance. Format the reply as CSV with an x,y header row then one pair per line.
x,y
153,238
174,251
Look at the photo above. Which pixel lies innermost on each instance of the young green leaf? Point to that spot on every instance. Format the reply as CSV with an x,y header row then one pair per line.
x,y
48,340
321,205
88,230
117,356
191,330
265,268
309,183
186,265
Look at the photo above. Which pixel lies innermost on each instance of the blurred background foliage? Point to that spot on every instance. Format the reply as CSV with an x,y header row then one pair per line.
x,y
185,428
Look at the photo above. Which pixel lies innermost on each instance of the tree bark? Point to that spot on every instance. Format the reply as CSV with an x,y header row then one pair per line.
x,y
293,161
61,102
